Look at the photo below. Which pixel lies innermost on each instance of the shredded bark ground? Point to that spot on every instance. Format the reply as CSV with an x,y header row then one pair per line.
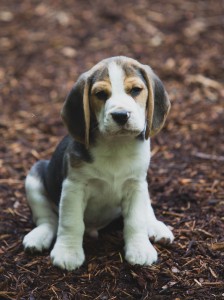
x,y
44,46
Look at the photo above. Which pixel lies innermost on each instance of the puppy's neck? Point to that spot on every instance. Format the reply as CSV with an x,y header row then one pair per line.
x,y
118,143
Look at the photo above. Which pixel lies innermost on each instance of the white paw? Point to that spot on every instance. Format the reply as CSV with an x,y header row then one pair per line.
x,y
137,253
39,239
159,232
67,257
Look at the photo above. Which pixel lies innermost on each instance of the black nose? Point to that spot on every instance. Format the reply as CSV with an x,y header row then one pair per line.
x,y
121,117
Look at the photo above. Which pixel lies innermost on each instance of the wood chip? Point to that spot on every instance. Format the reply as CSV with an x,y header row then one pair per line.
x,y
217,246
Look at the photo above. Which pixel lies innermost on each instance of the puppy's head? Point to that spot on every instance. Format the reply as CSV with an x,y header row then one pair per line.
x,y
118,96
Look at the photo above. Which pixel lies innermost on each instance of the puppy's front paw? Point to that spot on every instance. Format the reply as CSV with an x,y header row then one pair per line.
x,y
39,239
159,232
68,258
140,253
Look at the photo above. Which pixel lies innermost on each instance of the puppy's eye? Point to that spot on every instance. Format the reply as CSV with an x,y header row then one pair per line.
x,y
102,95
135,91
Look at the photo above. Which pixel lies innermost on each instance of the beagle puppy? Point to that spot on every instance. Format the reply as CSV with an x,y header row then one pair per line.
x,y
98,172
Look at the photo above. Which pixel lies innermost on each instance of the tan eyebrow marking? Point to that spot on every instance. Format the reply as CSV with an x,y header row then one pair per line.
x,y
101,85
134,81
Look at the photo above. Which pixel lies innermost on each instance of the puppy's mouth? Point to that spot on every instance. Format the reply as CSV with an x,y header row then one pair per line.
x,y
122,131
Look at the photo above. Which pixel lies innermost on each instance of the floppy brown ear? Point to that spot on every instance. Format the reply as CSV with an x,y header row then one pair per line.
x,y
76,112
158,103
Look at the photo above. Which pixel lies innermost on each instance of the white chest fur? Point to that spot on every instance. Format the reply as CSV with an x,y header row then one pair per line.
x,y
116,166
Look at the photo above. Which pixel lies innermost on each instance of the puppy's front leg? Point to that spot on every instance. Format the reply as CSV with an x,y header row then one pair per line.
x,y
157,230
68,251
138,249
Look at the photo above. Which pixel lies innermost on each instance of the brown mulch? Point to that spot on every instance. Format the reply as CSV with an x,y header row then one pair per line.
x,y
44,46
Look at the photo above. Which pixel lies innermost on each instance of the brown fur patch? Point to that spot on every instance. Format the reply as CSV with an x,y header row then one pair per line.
x,y
132,82
75,162
99,86
96,104
100,74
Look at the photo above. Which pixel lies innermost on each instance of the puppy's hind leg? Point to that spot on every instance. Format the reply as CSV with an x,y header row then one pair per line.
x,y
46,220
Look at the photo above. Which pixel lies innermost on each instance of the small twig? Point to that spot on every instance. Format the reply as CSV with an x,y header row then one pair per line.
x,y
25,269
218,246
213,283
199,283
121,259
10,181
208,156
173,214
7,295
205,81
204,231
189,262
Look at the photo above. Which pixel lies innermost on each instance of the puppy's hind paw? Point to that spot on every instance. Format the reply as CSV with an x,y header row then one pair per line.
x,y
39,239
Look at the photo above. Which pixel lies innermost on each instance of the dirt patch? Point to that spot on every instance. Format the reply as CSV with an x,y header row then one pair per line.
x,y
44,46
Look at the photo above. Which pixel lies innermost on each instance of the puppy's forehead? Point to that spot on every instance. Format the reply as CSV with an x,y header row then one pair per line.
x,y
115,69
116,75
101,74
130,69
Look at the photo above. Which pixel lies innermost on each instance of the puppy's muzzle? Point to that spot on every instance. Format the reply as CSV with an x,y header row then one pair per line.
x,y
121,117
